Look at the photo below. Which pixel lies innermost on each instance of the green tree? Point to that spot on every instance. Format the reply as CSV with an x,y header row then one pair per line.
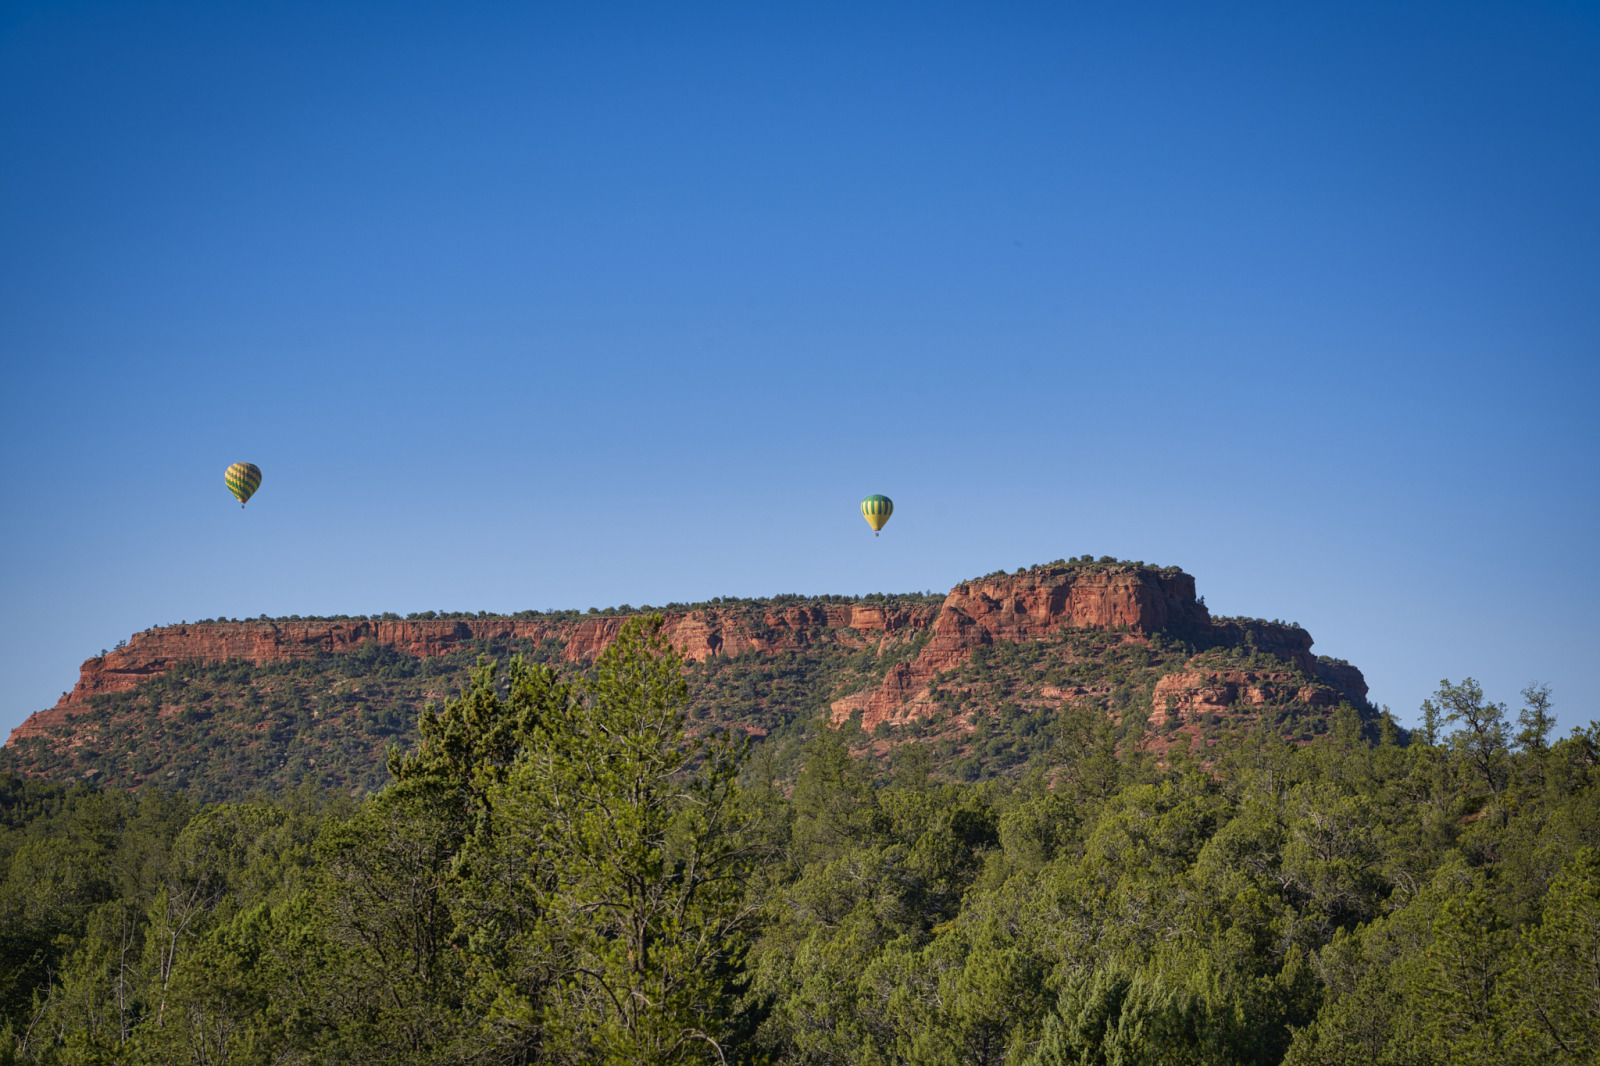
x,y
1483,739
1112,1018
835,804
632,867
1536,719
390,980
1555,990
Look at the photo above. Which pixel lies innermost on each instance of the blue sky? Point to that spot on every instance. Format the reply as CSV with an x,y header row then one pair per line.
x,y
564,305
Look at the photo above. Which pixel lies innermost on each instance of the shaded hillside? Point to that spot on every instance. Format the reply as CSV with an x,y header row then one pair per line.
x,y
980,678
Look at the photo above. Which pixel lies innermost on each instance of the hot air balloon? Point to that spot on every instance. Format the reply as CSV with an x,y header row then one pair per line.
x,y
243,479
876,510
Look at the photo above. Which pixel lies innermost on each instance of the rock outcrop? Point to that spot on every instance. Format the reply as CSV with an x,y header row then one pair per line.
x,y
698,634
1027,606
1191,696
1134,601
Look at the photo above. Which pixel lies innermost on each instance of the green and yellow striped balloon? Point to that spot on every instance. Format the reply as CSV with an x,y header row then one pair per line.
x,y
243,479
876,510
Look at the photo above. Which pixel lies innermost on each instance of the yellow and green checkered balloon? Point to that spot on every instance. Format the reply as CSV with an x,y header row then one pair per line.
x,y
876,510
243,479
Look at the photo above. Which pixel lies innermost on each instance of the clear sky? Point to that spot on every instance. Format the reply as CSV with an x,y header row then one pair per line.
x,y
560,305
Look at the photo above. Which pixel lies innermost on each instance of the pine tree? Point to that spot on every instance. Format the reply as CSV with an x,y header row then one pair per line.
x,y
630,867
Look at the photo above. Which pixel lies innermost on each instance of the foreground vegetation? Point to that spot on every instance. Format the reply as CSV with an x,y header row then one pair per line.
x,y
557,873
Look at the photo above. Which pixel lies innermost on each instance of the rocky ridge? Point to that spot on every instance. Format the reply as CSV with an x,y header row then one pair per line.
x,y
698,634
1130,640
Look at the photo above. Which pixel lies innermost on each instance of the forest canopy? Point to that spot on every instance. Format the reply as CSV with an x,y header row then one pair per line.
x,y
557,871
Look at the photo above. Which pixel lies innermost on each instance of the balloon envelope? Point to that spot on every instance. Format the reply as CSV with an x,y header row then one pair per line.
x,y
243,479
876,510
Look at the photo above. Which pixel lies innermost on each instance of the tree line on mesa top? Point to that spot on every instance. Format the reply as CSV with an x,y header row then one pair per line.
x,y
781,600
775,602
557,873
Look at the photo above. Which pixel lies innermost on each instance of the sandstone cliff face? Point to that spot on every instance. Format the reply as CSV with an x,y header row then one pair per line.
x,y
1187,698
1028,606
698,634
1344,678
1022,607
1290,643
702,634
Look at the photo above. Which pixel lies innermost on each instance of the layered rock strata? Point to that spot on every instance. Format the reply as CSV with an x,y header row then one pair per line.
x,y
698,634
1026,606
1029,606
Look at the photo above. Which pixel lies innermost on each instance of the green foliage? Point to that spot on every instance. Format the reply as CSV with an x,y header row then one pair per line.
x,y
1110,1018
565,869
622,935
779,601
1483,741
